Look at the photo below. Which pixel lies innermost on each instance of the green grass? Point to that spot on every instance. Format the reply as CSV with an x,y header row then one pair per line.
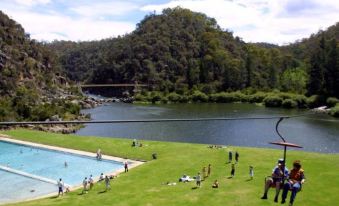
x,y
143,185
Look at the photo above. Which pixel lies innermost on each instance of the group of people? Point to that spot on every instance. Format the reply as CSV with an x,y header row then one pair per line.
x,y
294,180
205,173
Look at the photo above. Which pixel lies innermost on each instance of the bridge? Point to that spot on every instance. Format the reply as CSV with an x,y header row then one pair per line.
x,y
112,85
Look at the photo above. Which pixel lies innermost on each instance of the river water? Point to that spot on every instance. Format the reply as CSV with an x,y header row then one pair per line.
x,y
318,133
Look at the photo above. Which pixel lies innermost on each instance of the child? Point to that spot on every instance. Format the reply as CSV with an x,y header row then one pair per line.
x,y
198,179
91,182
251,172
236,157
229,156
233,170
84,184
126,166
204,173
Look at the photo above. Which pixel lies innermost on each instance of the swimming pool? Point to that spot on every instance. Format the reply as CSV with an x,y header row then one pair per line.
x,y
35,170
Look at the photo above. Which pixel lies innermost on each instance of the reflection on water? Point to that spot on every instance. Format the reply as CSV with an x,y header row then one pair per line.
x,y
315,133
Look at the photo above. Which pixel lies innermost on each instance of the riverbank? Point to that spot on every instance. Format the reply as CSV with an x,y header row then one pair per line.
x,y
144,185
269,99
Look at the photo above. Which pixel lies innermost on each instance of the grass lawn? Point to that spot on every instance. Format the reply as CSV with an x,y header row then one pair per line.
x,y
143,185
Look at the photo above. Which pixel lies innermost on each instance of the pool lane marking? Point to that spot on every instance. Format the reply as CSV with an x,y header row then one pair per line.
x,y
18,172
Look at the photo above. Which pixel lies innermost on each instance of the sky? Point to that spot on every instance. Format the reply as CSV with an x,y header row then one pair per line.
x,y
273,21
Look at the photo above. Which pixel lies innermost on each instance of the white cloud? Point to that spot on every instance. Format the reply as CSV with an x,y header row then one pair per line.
x,y
32,2
103,9
49,27
274,21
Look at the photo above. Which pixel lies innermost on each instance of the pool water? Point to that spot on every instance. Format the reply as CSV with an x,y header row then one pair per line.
x,y
44,163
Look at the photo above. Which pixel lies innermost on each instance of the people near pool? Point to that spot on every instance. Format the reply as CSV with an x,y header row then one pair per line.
x,y
102,177
278,174
90,182
215,184
126,166
107,183
61,185
84,184
99,155
294,182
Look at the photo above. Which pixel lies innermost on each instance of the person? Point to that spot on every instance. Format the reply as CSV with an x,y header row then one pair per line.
x,y
99,155
185,178
107,183
84,184
198,179
251,172
209,170
126,166
232,170
204,172
134,143
229,156
60,187
91,182
215,184
236,157
65,164
294,183
278,174
101,177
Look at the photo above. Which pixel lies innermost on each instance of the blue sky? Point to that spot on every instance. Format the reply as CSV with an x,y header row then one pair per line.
x,y
274,21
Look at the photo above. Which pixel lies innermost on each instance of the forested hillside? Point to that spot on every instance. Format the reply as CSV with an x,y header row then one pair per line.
x,y
177,50
30,78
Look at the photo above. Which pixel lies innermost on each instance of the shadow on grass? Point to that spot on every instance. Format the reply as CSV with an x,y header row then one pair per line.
x,y
101,192
248,180
194,188
230,177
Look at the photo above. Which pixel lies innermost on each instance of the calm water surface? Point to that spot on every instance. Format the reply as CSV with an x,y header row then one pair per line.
x,y
318,133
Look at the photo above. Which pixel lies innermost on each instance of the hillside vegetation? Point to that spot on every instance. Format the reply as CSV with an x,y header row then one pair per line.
x,y
30,78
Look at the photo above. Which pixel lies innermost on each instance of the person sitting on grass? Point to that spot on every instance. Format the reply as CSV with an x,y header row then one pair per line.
x,y
276,179
294,183
215,184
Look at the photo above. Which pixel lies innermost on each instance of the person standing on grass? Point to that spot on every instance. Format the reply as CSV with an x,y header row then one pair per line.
x,y
84,184
232,170
91,182
236,157
230,157
209,170
61,187
251,172
107,183
126,166
198,179
204,173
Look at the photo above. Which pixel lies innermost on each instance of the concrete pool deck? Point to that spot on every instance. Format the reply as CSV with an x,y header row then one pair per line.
x,y
131,164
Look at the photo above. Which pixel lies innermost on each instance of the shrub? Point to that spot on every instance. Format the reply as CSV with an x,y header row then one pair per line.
x,y
155,97
140,97
315,101
335,111
289,103
273,101
257,97
198,96
301,100
332,101
173,97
